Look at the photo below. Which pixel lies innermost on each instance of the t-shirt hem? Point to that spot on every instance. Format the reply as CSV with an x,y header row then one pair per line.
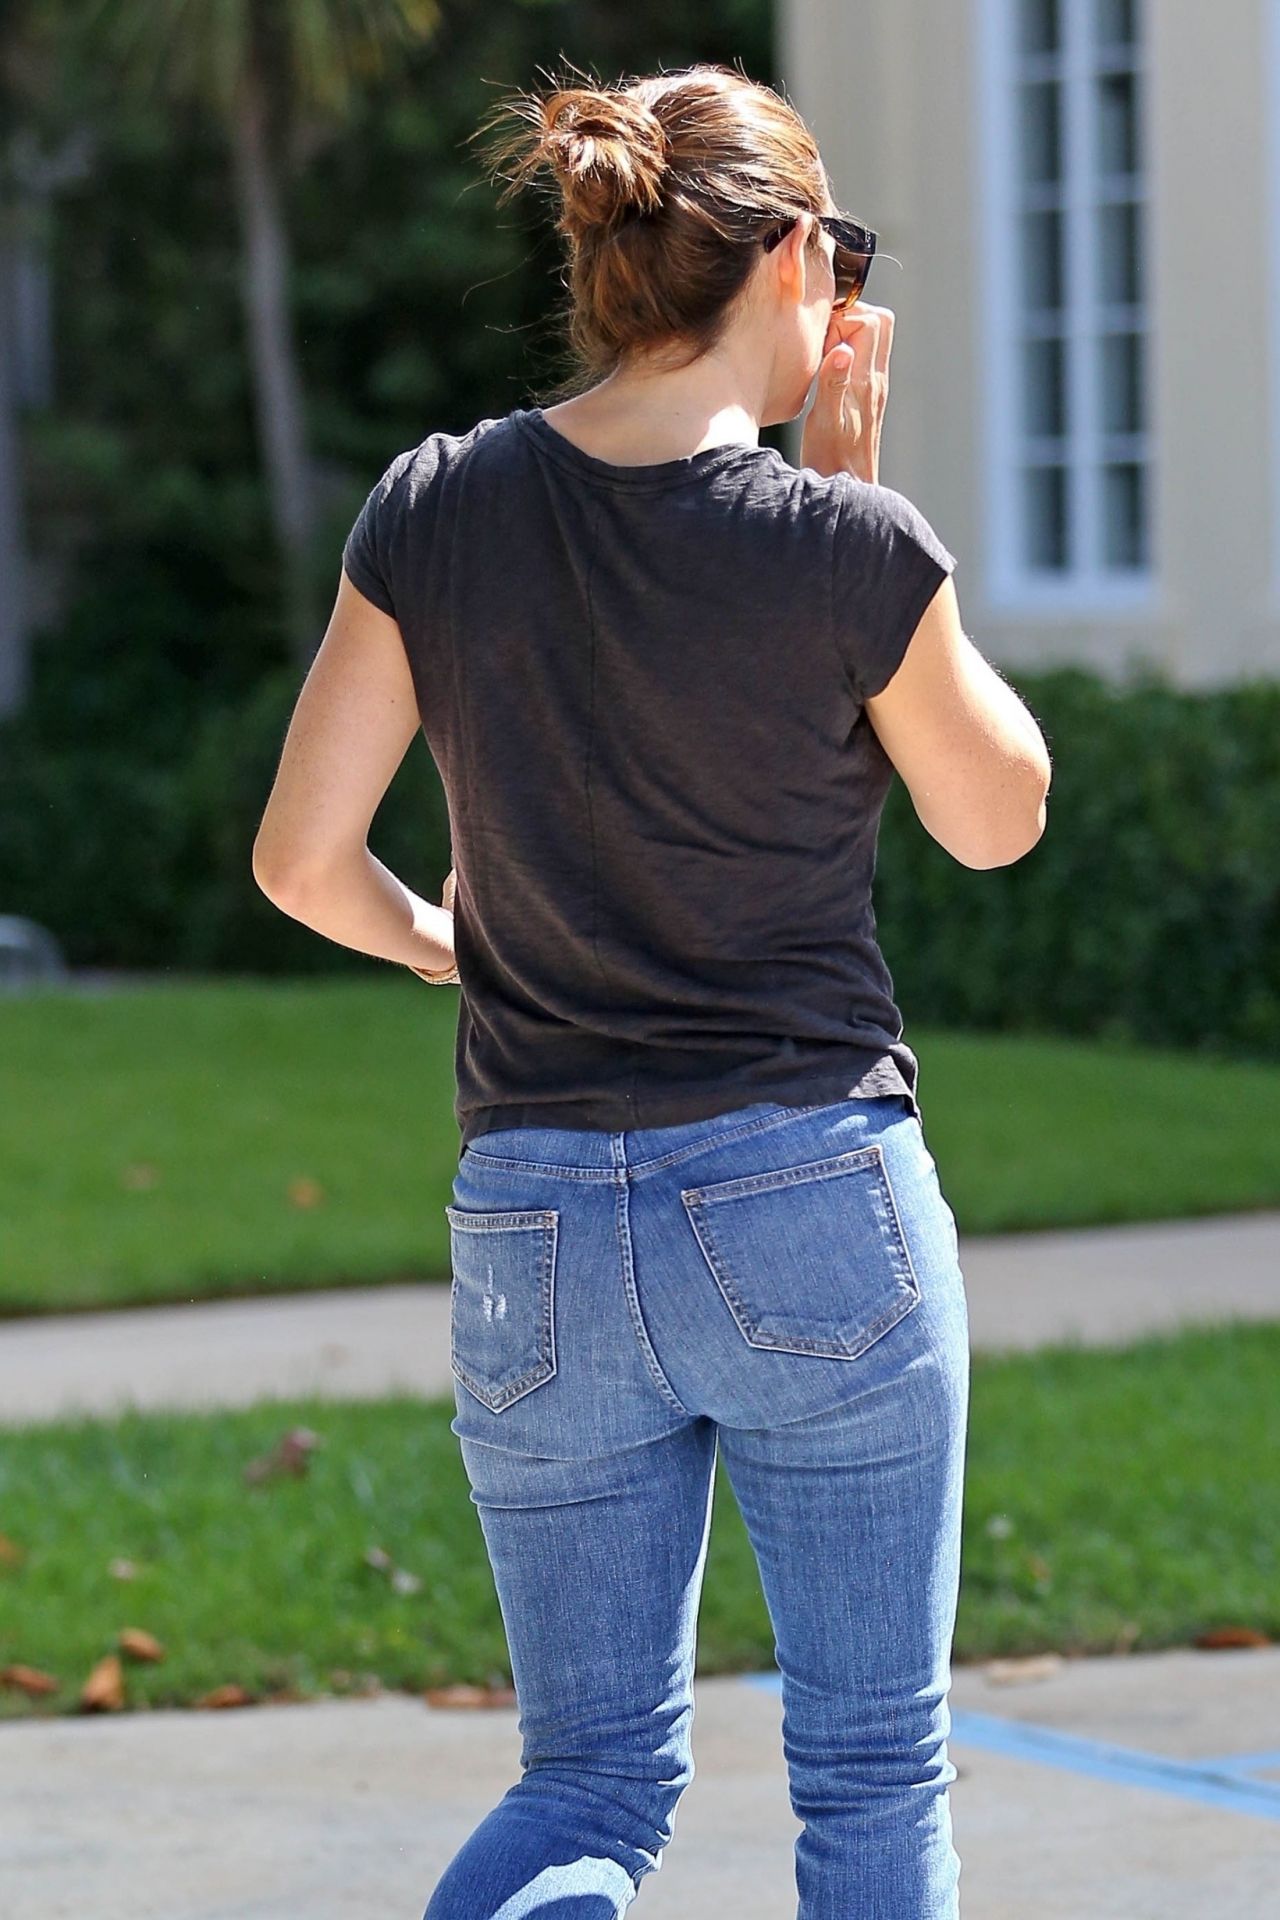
x,y
863,1075
366,582
927,576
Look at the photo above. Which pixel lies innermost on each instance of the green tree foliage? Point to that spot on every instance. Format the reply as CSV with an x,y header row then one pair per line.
x,y
255,69
415,304
1149,910
131,786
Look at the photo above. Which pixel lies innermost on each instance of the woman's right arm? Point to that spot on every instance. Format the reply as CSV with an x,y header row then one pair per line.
x,y
973,759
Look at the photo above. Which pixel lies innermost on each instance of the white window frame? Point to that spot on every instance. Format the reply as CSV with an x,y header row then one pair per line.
x,y
1085,586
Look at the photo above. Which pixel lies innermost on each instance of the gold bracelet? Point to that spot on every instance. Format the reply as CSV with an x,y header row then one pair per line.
x,y
451,978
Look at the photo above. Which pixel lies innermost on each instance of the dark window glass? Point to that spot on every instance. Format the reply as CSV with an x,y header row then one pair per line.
x,y
1120,382
1042,277
1119,264
1045,498
1115,23
1039,26
1045,386
1124,533
1041,131
1117,123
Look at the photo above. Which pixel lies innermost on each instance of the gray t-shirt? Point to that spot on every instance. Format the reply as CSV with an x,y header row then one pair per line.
x,y
643,689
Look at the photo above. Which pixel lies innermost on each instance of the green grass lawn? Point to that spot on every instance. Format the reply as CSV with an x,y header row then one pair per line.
x,y
195,1140
1115,1500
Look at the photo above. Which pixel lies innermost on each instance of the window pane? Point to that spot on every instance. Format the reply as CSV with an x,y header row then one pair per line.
x,y
1044,496
1124,517
1045,386
1040,29
1121,382
1119,280
1041,131
1117,123
1042,261
1115,23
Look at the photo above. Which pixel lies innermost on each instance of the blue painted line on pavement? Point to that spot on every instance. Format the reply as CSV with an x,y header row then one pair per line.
x,y
1210,1783
1243,1762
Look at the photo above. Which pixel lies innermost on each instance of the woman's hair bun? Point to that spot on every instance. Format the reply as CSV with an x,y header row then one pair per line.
x,y
713,154
609,152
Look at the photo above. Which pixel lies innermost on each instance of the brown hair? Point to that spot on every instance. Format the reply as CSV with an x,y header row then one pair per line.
x,y
666,186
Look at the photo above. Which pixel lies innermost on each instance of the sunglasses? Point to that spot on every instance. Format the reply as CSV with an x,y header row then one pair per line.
x,y
855,248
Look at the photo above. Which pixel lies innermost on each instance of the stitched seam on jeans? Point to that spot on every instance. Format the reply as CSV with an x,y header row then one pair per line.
x,y
521,1220
709,1141
674,1155
553,1167
896,1227
828,1348
622,1224
763,1123
544,1367
904,1277
804,1173
636,1168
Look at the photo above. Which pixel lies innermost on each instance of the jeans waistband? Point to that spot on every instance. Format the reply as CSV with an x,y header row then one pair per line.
x,y
592,1153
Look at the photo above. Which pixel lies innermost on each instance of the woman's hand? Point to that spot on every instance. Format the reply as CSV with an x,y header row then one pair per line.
x,y
449,976
842,427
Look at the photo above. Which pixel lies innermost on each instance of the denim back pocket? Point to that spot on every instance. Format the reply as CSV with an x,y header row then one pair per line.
x,y
810,1259
502,1341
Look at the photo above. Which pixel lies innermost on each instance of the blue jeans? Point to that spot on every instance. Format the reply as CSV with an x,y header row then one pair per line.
x,y
783,1283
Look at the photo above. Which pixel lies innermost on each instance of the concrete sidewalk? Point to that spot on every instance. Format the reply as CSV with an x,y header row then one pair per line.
x,y
351,1810
1140,1787
1099,1286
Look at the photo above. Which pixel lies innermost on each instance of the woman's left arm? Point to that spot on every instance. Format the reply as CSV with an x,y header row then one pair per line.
x,y
351,727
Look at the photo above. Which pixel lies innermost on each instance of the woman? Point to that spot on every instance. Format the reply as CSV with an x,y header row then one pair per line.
x,y
667,678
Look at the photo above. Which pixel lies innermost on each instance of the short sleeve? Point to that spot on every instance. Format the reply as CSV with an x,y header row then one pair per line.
x,y
368,555
886,565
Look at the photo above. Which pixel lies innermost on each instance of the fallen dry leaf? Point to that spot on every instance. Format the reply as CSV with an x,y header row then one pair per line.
x,y
28,1680
461,1695
304,1192
399,1578
103,1691
11,1554
358,1686
139,1644
1232,1637
229,1696
1034,1666
289,1456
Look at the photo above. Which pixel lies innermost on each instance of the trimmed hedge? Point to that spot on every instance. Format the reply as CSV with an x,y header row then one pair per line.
x,y
1150,909
139,864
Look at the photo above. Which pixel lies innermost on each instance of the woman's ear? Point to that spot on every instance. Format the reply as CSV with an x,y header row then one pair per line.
x,y
792,258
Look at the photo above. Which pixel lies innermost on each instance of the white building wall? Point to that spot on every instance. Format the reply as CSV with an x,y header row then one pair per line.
x,y
896,91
